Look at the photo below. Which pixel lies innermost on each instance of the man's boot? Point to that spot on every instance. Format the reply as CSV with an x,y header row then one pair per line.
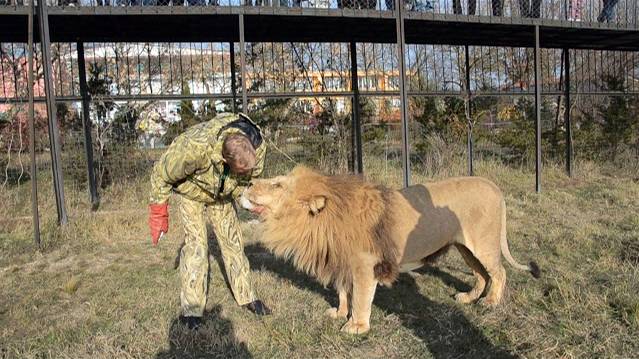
x,y
192,323
258,307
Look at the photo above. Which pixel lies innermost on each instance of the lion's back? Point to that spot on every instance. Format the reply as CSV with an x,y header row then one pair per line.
x,y
453,191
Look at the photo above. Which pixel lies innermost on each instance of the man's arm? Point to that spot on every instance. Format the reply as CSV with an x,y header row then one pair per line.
x,y
181,160
177,163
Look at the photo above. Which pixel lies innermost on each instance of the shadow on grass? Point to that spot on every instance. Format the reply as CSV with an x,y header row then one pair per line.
x,y
215,339
444,328
261,258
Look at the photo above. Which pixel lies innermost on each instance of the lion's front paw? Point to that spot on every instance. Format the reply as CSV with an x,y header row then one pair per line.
x,y
335,313
352,328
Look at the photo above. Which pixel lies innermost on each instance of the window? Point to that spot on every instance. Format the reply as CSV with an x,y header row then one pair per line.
x,y
367,83
334,83
392,82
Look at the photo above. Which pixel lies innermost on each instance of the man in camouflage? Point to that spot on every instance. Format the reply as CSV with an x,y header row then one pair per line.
x,y
209,165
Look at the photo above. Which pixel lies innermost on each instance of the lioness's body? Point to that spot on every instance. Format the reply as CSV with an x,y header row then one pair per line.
x,y
353,234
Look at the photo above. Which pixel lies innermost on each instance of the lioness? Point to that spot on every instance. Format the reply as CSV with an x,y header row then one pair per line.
x,y
354,234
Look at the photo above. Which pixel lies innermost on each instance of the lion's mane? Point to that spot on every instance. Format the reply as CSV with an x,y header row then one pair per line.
x,y
354,219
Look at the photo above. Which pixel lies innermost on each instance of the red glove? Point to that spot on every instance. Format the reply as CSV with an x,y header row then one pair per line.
x,y
158,220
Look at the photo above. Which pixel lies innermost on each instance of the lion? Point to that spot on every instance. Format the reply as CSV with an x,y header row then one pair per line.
x,y
353,234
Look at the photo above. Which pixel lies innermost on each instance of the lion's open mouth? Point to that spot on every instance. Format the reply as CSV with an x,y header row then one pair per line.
x,y
257,209
251,206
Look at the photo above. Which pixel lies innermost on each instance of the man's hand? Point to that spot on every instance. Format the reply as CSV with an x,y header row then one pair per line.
x,y
158,220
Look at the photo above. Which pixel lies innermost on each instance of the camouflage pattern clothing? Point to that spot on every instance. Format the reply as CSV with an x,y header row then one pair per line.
x,y
193,167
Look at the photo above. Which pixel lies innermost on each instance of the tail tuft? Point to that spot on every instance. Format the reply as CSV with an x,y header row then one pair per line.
x,y
534,270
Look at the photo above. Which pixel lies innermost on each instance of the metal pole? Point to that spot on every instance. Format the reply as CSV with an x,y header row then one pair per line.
x,y
357,126
86,125
233,79
402,90
537,112
54,133
243,65
471,171
34,169
567,121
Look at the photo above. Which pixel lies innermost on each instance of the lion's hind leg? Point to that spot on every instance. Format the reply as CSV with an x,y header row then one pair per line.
x,y
492,268
481,277
497,284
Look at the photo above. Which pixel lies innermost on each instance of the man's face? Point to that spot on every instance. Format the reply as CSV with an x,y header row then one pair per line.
x,y
239,155
239,170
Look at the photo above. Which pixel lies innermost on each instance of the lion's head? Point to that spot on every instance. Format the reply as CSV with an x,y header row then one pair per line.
x,y
303,190
321,221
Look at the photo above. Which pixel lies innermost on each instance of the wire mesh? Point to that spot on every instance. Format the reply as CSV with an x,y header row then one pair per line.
x,y
143,94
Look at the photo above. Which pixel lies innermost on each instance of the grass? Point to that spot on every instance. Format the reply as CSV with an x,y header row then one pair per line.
x,y
98,289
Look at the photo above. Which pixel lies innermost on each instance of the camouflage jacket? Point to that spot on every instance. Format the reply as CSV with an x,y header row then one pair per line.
x,y
192,166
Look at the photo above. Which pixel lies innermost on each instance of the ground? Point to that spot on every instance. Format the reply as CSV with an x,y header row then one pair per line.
x,y
98,289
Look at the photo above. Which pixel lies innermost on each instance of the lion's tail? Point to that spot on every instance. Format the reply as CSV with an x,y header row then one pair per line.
x,y
532,267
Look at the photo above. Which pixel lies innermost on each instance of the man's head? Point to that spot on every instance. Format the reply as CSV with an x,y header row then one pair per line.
x,y
239,154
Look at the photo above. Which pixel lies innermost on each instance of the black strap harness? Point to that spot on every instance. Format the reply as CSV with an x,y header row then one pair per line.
x,y
247,127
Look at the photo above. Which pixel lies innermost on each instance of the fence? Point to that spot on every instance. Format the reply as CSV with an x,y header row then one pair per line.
x,y
621,13
337,106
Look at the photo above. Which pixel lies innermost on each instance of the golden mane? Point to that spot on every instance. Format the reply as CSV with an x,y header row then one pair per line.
x,y
353,219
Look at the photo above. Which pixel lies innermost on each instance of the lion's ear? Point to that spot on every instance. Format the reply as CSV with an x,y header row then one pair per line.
x,y
316,204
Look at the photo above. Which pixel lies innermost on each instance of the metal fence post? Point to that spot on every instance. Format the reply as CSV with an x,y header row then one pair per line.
x,y
54,132
356,123
86,126
537,112
567,120
243,64
233,79
34,168
471,171
401,42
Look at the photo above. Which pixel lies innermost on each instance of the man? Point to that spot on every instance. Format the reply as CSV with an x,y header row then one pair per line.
x,y
497,5
607,10
209,165
530,8
575,10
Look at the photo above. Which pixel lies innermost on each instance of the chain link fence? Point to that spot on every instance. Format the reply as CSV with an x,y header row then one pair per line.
x,y
145,94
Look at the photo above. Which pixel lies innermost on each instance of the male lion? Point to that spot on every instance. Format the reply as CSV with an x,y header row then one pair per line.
x,y
353,234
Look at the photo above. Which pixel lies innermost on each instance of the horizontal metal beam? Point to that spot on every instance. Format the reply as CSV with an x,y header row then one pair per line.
x,y
275,95
283,24
136,11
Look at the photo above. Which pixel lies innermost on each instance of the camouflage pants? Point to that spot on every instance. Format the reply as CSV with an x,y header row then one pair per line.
x,y
194,257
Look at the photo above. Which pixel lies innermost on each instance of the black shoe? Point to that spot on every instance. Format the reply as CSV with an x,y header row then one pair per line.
x,y
193,323
258,307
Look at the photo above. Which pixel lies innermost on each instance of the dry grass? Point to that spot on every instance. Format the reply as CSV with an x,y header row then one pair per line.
x,y
99,290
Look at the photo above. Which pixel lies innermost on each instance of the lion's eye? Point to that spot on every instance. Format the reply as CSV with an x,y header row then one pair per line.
x,y
277,185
